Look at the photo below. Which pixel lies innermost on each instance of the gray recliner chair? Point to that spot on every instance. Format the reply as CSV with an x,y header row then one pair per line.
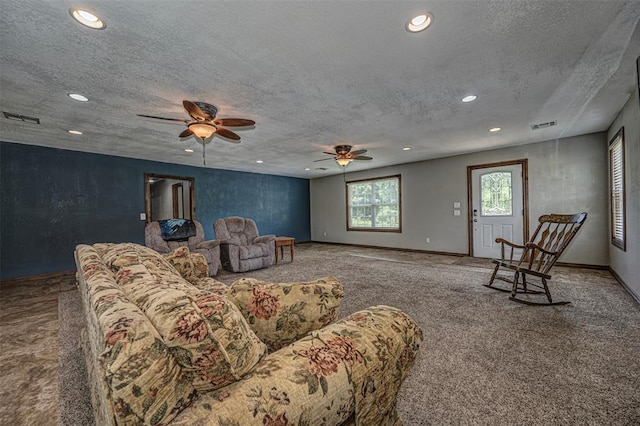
x,y
209,249
241,246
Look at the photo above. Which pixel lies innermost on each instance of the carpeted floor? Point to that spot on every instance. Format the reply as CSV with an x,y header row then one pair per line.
x,y
74,401
485,360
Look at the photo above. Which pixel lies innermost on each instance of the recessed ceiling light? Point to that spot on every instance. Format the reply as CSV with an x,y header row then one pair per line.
x,y
495,129
469,98
87,19
78,97
406,148
259,161
188,150
75,132
307,168
419,22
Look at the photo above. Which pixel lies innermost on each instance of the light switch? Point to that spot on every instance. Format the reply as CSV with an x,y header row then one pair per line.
x,y
143,216
456,205
456,212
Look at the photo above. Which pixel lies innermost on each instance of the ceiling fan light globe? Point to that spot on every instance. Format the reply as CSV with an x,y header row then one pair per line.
x,y
202,130
343,162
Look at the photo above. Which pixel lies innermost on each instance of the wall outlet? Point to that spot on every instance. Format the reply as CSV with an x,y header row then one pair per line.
x,y
456,205
456,212
143,216
427,240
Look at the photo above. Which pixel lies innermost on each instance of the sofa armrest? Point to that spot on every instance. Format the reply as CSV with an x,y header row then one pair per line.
x,y
282,313
264,238
208,244
350,369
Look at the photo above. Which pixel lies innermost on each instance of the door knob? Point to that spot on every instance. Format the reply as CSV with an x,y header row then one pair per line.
x,y
475,220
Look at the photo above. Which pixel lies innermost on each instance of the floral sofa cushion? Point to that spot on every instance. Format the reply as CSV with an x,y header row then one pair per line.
x,y
348,371
192,266
205,333
211,285
146,384
282,313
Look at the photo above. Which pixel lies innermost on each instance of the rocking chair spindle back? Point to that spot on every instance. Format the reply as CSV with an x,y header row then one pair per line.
x,y
537,256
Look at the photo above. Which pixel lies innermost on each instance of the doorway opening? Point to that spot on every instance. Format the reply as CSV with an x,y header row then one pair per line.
x,y
168,197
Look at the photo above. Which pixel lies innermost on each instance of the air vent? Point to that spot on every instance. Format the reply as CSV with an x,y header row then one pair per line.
x,y
20,117
322,169
543,125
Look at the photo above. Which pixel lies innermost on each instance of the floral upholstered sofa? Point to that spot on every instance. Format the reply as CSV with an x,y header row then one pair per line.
x,y
165,344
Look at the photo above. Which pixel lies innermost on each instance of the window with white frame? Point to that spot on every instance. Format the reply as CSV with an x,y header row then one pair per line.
x,y
374,205
616,189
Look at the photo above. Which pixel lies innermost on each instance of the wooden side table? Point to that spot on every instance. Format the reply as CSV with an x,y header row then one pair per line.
x,y
282,242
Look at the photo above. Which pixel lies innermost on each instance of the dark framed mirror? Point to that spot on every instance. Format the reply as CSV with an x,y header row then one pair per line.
x,y
167,197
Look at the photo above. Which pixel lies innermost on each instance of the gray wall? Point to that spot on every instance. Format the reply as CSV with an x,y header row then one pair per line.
x,y
627,263
565,176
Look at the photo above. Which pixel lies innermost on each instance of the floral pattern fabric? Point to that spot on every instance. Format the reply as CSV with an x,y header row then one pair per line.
x,y
282,313
143,382
158,329
206,333
175,352
192,266
337,375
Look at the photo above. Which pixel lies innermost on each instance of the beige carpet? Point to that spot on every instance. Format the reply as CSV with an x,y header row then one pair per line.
x,y
485,360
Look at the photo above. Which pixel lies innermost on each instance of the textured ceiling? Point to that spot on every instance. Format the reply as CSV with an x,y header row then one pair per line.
x,y
313,75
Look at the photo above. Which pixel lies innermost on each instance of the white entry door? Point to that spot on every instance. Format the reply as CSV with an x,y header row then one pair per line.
x,y
497,208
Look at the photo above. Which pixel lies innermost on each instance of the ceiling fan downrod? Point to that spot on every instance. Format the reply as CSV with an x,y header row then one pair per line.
x,y
204,159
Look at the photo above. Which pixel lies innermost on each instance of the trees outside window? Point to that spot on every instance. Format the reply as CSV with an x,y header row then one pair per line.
x,y
374,204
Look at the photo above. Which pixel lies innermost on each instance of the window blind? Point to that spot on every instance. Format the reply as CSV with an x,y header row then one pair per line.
x,y
616,163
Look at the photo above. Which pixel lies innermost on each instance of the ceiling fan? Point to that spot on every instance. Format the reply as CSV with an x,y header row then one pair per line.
x,y
204,124
343,155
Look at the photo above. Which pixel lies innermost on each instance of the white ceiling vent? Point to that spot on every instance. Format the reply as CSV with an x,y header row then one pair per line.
x,y
20,117
543,125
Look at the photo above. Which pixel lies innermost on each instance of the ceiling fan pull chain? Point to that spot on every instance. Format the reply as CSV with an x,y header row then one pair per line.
x,y
204,159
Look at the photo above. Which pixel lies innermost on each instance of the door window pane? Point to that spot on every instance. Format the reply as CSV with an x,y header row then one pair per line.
x,y
495,194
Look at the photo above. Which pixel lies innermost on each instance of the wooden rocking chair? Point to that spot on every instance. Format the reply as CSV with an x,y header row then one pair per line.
x,y
553,235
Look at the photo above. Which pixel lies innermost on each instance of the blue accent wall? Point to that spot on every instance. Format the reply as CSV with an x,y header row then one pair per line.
x,y
52,199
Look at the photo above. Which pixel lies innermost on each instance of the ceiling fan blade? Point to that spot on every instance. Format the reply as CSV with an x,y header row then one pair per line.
x,y
194,110
227,134
234,122
163,118
324,159
208,110
362,157
185,134
359,152
329,153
